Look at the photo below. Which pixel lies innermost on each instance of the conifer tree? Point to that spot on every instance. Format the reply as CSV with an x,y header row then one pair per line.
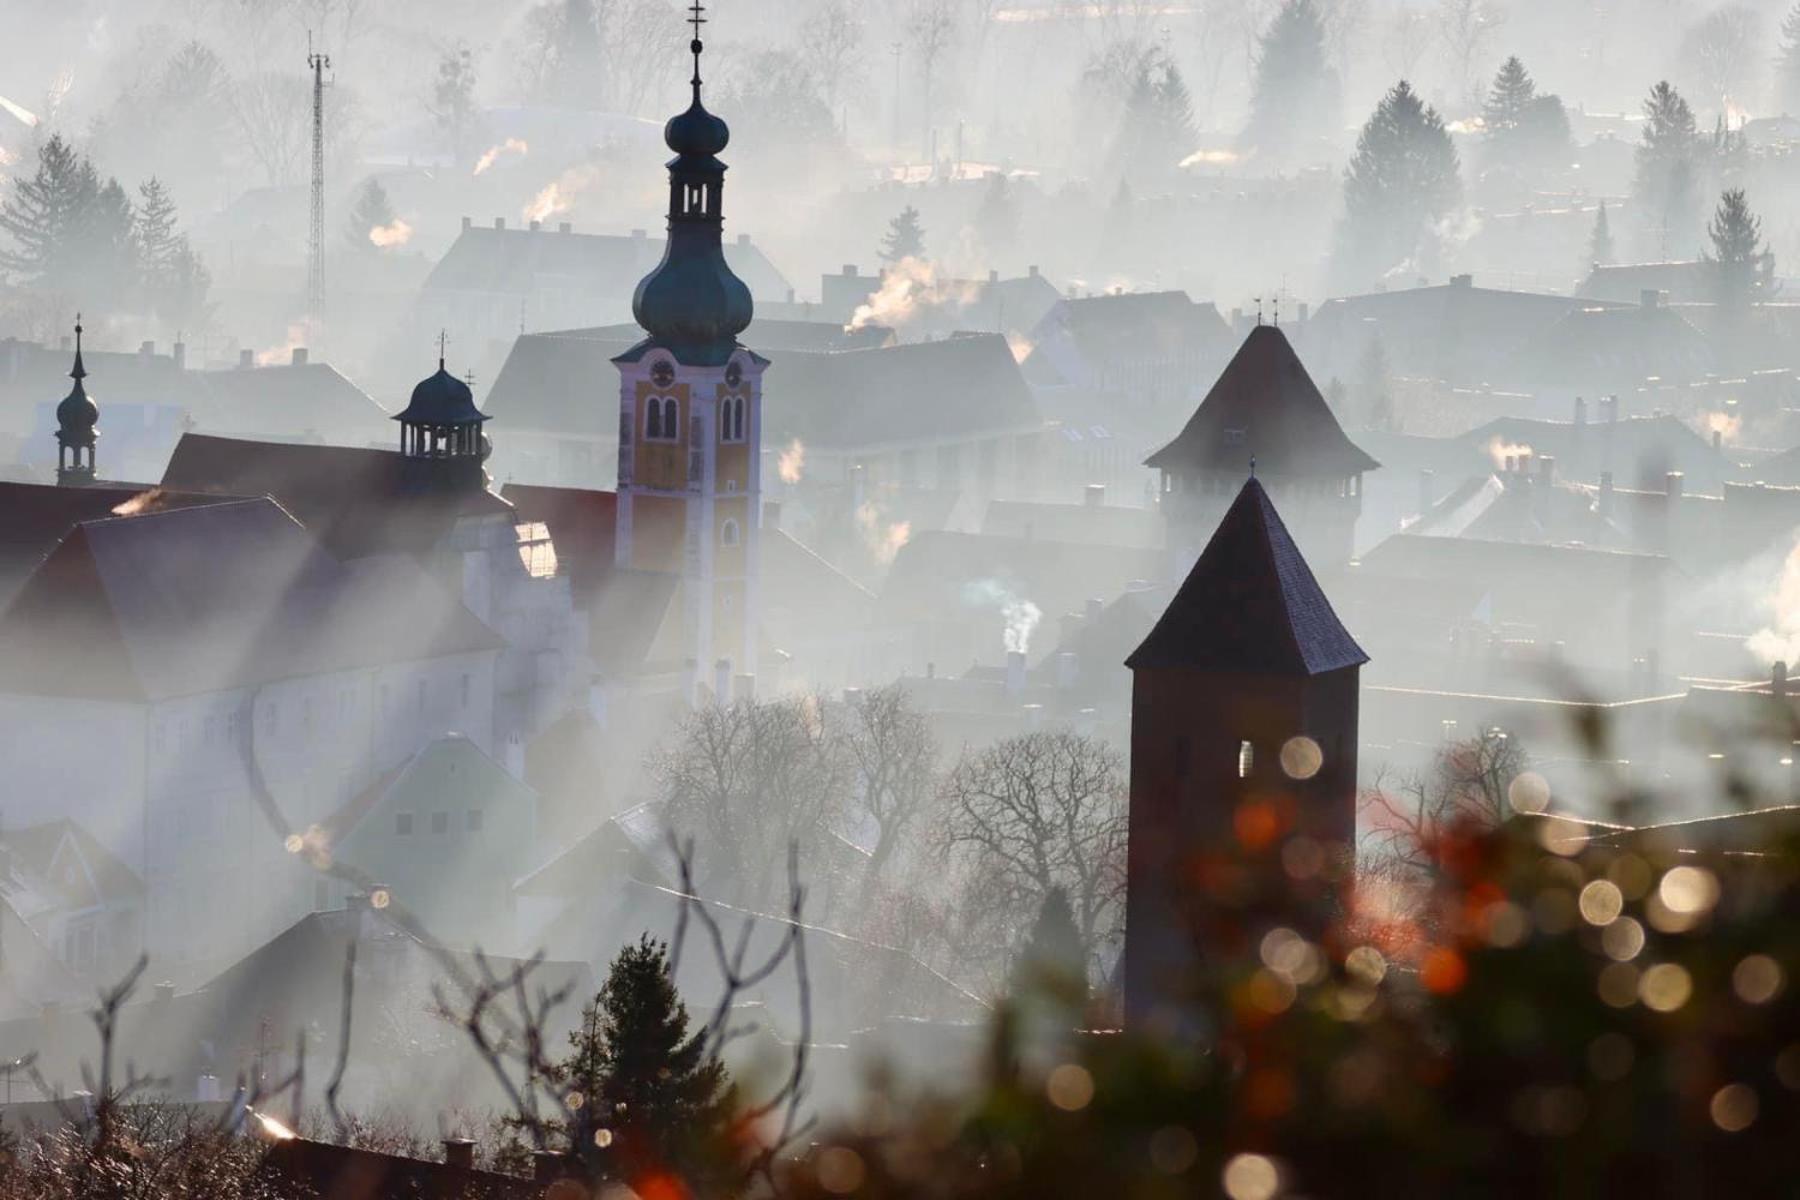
x,y
46,214
1742,267
1665,186
1513,92
1523,126
173,279
1787,62
157,240
1399,184
1053,959
905,237
663,1101
1600,242
1295,97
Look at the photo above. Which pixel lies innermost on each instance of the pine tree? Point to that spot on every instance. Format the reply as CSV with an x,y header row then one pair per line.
x,y
1295,97
157,240
1741,265
370,212
574,78
174,282
1400,183
1524,127
1667,165
905,237
1156,130
644,1079
45,214
1053,962
1512,94
1600,243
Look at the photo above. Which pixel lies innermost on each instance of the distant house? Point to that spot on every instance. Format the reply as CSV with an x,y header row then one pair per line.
x,y
1608,349
991,305
493,283
79,899
244,683
39,515
1632,451
1689,281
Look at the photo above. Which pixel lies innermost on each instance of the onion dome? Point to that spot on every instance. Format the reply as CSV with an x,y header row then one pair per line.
x,y
691,302
442,399
77,415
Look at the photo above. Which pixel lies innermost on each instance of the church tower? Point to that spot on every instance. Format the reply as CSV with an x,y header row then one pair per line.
x,y
77,427
1243,763
441,433
690,412
1264,408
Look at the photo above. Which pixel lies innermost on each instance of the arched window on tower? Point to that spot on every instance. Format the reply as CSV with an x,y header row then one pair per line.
x,y
740,419
671,418
728,533
653,420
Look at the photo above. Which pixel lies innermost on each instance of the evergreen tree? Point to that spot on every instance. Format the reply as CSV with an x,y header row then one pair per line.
x,y
1294,99
1512,94
45,215
1400,183
1665,186
645,1080
1053,962
1742,267
1524,127
572,71
173,279
905,237
157,241
1157,129
370,212
1600,243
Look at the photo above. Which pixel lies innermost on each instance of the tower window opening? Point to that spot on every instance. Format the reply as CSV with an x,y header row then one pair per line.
x,y
1246,759
728,533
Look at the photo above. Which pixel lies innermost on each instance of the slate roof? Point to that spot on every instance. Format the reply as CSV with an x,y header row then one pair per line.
x,y
1142,325
355,501
309,400
487,260
1265,406
198,599
1688,280
1250,605
1634,449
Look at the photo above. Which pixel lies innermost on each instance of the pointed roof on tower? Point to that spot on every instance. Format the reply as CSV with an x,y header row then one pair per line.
x,y
77,415
1264,404
1250,605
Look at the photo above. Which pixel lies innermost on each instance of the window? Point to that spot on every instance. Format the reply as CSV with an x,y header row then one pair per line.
x,y
731,419
728,533
653,420
662,419
465,690
403,824
474,820
1246,759
440,822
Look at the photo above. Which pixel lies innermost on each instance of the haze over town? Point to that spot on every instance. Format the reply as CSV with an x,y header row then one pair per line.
x,y
1186,597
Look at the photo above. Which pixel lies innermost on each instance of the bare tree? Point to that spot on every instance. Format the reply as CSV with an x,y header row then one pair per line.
x,y
830,41
895,755
930,29
1470,784
749,779
1724,50
1408,33
1039,811
1466,27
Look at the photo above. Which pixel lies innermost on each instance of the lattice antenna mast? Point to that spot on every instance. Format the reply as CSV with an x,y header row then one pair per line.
x,y
315,250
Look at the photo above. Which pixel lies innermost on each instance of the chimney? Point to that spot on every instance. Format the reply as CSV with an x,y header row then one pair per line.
x,y
790,295
499,222
1606,493
743,239
536,225
1032,270
639,234
1650,298
246,359
512,756
1302,312
743,687
1778,680
1547,468
547,1166
459,1154
1580,410
165,992
1609,407
565,227
1512,464
1095,495
722,681
1672,485
146,349
298,358
771,515
1015,672
179,354
849,270
1068,669
1095,606
1462,281
993,276
1427,490
467,222
1718,440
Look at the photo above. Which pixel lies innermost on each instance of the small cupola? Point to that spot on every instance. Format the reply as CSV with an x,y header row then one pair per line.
x,y
77,425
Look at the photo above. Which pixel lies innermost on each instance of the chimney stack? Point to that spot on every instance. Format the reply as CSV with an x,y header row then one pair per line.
x,y
1068,669
1672,484
565,227
1606,493
1095,495
1303,310
1778,680
179,354
1032,270
459,1154
1580,410
146,349
1095,606
536,225
246,359
1650,298
722,681
1015,673
771,515
499,222
298,358
1718,440
1462,281
849,270
467,222
993,276
1547,468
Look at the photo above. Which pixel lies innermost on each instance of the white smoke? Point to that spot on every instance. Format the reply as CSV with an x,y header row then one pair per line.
x,y
1020,615
492,154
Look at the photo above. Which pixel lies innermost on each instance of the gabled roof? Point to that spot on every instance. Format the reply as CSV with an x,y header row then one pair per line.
x,y
73,865
1690,279
199,599
1140,325
1250,605
603,265
299,400
355,501
1264,406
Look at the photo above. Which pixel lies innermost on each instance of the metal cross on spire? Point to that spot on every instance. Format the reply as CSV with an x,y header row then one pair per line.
x,y
697,20
1259,303
443,342
78,372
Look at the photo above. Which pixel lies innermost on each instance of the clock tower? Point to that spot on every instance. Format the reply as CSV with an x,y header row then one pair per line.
x,y
690,413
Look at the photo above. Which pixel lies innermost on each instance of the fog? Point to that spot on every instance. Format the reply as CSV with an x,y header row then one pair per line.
x,y
1451,342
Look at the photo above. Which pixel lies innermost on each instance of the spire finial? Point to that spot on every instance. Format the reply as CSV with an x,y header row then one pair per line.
x,y
697,19
78,372
1253,466
443,341
1259,301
